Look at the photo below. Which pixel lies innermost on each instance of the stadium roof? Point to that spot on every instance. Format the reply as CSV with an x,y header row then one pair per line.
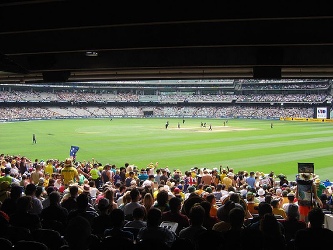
x,y
58,40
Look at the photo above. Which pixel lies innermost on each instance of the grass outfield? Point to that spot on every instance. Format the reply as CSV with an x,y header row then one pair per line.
x,y
241,144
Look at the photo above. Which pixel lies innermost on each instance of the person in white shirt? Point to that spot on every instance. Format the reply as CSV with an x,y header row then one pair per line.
x,y
291,200
94,192
149,182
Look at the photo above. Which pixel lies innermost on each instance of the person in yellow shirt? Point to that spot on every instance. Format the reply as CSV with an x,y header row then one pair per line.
x,y
277,210
96,175
227,181
49,168
284,197
193,173
252,203
223,173
46,180
69,172
178,193
213,209
200,189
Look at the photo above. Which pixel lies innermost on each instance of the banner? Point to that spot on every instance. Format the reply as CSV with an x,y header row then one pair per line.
x,y
322,112
73,151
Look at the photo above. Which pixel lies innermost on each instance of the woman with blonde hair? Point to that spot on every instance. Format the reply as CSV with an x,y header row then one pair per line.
x,y
126,198
148,201
109,194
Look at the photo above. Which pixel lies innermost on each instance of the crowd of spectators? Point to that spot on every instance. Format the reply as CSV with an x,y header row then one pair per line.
x,y
162,97
91,205
259,112
284,86
133,103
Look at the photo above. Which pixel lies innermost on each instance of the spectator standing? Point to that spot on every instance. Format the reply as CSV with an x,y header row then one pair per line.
x,y
129,179
157,176
69,173
143,175
49,168
228,180
123,173
95,175
206,178
251,180
164,177
7,177
24,164
306,194
106,174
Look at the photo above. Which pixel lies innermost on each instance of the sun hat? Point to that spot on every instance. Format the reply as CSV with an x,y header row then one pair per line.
x,y
261,191
133,182
305,176
68,162
86,188
231,174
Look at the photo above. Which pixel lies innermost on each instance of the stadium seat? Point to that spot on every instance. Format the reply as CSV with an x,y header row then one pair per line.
x,y
15,234
29,244
49,237
6,244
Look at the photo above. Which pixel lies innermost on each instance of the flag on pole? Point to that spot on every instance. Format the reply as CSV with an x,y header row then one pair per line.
x,y
73,151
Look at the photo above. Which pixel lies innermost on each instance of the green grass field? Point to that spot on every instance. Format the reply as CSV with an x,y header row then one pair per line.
x,y
241,144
